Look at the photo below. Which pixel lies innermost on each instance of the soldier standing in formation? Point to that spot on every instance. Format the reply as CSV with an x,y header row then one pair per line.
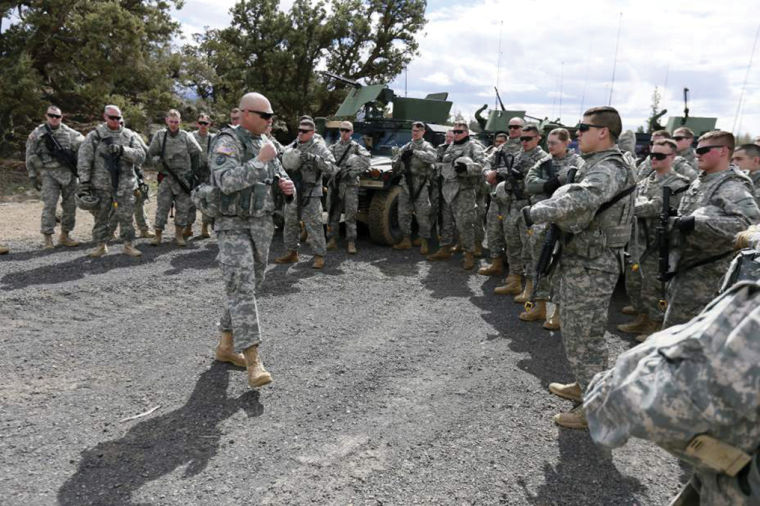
x,y
308,160
51,159
176,155
106,167
343,191
234,117
680,164
591,260
243,165
684,138
436,181
461,168
204,138
717,205
416,163
747,158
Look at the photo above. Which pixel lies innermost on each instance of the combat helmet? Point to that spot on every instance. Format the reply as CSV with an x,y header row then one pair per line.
x,y
291,159
86,199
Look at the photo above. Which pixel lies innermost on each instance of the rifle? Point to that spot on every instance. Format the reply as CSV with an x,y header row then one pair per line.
x,y
550,252
112,165
180,181
509,177
65,157
663,244
334,184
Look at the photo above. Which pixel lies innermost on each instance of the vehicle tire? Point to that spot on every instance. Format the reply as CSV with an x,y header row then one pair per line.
x,y
383,217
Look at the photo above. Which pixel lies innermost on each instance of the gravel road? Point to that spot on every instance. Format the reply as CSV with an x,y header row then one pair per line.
x,y
396,381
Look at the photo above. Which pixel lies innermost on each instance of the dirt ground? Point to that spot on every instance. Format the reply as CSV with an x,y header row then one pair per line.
x,y
396,381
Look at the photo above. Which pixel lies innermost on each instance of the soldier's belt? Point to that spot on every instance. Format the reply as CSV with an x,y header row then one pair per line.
x,y
719,456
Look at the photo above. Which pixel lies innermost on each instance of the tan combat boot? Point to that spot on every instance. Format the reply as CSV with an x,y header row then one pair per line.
x,y
573,419
405,243
290,257
570,391
332,244
4,250
456,248
225,350
179,236
649,328
443,253
424,248
537,312
188,232
478,250
629,310
65,240
495,269
319,262
552,320
525,295
204,231
512,286
636,326
48,244
351,248
130,250
257,375
417,241
145,233
99,251
157,239
469,261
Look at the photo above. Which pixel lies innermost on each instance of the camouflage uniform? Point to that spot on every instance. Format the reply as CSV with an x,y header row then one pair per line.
x,y
421,170
755,177
642,285
698,379
680,165
245,229
591,260
140,218
537,177
181,153
204,141
308,181
343,190
436,181
722,205
93,169
690,156
57,180
459,212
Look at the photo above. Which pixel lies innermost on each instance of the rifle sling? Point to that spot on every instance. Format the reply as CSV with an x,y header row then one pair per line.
x,y
617,198
700,263
182,184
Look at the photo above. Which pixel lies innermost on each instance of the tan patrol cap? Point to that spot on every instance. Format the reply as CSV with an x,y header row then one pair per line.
x,y
346,124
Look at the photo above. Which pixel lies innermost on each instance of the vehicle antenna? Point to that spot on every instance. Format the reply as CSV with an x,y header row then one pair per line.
x,y
614,63
498,62
744,85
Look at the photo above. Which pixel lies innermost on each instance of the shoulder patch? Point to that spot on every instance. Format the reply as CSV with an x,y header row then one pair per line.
x,y
224,149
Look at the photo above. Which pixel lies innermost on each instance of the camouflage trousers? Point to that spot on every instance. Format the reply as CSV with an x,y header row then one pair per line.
x,y
460,216
481,203
434,192
420,208
585,294
535,244
125,208
690,291
51,191
169,194
142,221
516,236
343,198
243,256
643,287
496,229
311,214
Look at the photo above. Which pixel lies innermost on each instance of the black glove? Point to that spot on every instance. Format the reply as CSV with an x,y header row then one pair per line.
x,y
406,155
36,183
516,173
115,149
551,185
685,224
460,167
526,216
307,157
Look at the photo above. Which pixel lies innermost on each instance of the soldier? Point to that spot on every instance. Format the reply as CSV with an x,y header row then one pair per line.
x,y
543,178
204,138
243,165
308,161
684,138
234,117
642,266
461,174
747,158
176,154
597,209
680,164
106,168
436,220
692,390
498,139
505,220
716,206
515,127
416,162
51,157
343,190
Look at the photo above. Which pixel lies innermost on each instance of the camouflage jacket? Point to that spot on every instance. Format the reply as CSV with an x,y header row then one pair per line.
x,y
93,161
180,152
540,173
523,161
755,177
454,181
680,165
204,142
690,156
39,157
422,163
512,146
308,177
352,163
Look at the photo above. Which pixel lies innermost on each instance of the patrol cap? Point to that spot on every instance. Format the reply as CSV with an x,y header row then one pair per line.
x,y
346,125
306,120
419,124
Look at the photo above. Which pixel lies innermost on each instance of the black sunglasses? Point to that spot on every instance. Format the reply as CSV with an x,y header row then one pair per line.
x,y
680,137
56,116
114,118
660,156
344,129
304,131
585,127
458,131
203,123
514,127
704,149
263,115
528,138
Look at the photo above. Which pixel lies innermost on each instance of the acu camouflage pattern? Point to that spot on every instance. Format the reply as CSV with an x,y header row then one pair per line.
x,y
755,177
680,165
723,205
344,193
459,211
591,260
57,180
244,231
692,379
204,141
421,171
690,155
91,167
139,207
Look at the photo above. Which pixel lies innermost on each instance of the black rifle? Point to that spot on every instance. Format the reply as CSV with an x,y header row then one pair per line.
x,y
64,156
334,184
663,244
112,164
180,181
511,178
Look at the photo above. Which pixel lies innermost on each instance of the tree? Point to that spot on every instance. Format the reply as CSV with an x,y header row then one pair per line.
x,y
655,115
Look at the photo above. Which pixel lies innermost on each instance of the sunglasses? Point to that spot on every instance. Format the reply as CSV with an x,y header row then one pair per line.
x,y
456,132
304,131
660,156
680,138
56,116
704,149
114,118
344,129
585,127
263,115
528,138
203,123
514,127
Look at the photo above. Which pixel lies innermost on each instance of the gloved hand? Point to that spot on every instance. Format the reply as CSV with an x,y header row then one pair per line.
x,y
460,167
307,157
407,155
685,224
551,185
115,149
36,182
526,216
516,173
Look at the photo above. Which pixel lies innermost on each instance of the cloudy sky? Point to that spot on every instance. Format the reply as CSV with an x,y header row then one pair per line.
x,y
557,57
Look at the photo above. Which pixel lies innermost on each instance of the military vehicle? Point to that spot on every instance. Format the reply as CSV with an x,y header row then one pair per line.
x,y
382,121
